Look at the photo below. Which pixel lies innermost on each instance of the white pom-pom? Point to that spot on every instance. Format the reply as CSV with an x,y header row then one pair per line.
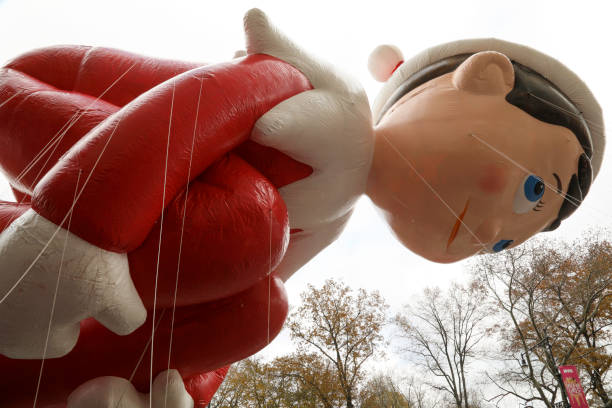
x,y
383,61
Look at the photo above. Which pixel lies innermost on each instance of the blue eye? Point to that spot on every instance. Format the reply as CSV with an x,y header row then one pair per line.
x,y
533,187
502,244
528,194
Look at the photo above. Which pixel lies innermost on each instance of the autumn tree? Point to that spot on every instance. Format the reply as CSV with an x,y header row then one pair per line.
x,y
343,326
383,391
248,385
253,383
442,331
556,304
229,394
314,377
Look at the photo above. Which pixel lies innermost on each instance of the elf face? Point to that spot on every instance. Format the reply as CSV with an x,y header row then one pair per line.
x,y
458,170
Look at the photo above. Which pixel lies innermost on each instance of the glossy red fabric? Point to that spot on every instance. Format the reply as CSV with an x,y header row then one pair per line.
x,y
236,225
206,336
236,229
134,143
202,387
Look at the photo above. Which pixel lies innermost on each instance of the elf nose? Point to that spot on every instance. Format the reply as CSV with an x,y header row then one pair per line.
x,y
488,231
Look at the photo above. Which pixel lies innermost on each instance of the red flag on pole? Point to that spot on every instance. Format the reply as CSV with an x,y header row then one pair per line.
x,y
573,388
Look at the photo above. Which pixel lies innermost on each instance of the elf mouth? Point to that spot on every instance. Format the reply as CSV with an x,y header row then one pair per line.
x,y
457,225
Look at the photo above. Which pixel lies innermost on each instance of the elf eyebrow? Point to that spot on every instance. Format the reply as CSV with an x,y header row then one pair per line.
x,y
559,185
540,98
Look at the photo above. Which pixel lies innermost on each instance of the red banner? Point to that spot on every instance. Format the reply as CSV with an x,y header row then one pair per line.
x,y
573,388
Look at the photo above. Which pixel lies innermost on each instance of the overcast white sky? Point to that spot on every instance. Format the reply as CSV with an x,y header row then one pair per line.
x,y
344,33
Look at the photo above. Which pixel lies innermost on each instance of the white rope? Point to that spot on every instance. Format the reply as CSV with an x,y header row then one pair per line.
x,y
69,123
10,98
161,316
161,229
569,198
59,275
591,123
40,170
269,272
433,190
54,140
178,265
68,213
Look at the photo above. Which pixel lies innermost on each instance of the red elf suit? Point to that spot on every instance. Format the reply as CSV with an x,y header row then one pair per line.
x,y
246,170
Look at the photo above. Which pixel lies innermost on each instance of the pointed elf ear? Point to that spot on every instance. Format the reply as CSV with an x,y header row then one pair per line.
x,y
486,73
383,61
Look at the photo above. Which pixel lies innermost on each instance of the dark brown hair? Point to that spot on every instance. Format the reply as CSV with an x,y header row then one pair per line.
x,y
540,98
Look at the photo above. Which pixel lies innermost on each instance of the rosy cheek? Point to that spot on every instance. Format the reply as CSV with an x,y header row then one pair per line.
x,y
493,179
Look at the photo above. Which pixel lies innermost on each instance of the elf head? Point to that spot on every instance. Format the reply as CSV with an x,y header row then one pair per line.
x,y
480,144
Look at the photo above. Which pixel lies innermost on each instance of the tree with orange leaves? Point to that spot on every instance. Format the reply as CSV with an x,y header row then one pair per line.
x,y
343,327
556,305
337,330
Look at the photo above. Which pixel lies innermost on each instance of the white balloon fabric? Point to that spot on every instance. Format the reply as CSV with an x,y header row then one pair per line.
x,y
98,283
115,392
328,128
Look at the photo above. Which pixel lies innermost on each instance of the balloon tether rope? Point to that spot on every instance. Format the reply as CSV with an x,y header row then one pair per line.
x,y
178,264
57,282
161,229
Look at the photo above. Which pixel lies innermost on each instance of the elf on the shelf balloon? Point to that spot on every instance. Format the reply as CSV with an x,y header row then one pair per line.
x,y
162,204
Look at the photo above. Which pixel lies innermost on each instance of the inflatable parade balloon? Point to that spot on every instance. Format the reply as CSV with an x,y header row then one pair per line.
x,y
162,204
156,198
